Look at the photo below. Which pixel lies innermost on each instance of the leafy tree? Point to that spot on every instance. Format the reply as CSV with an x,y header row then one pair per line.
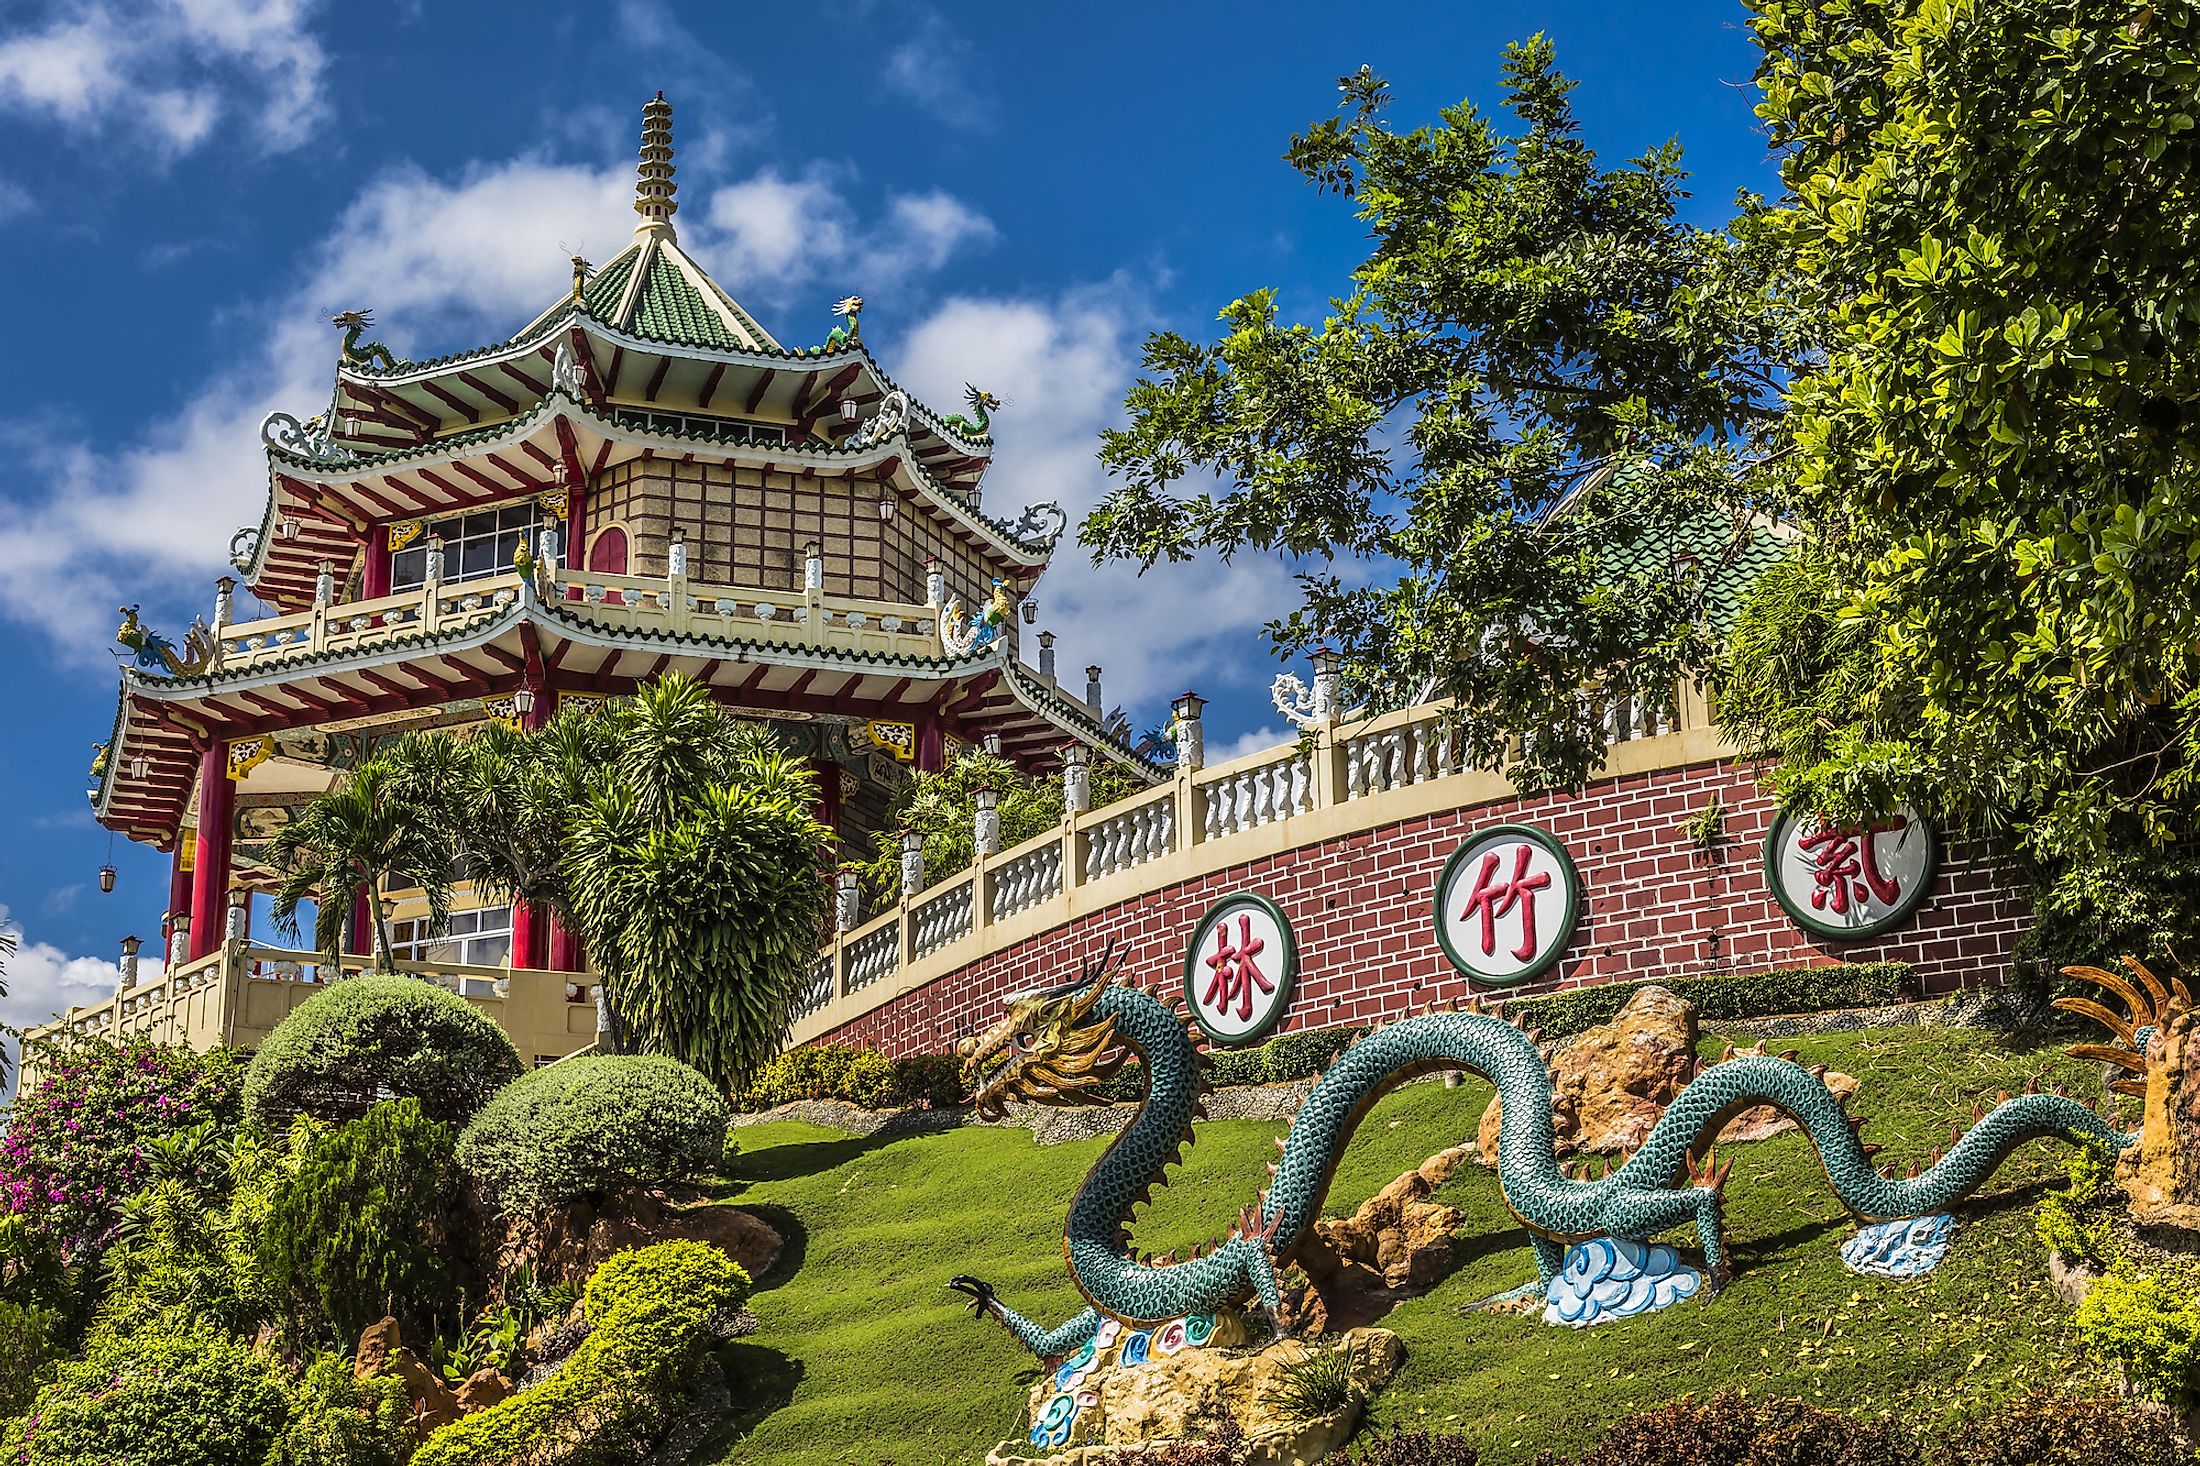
x,y
362,1227
1523,318
694,872
1993,204
943,807
375,829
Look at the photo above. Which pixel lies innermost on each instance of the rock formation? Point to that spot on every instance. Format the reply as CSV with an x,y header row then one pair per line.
x,y
1613,1082
2161,1174
1396,1245
567,1243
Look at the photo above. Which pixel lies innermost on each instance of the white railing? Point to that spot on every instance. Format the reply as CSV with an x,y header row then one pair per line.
x,y
630,602
1399,765
1023,882
939,920
1144,831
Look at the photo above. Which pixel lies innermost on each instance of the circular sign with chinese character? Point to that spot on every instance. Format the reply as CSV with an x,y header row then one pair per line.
x,y
1506,904
1240,969
1852,881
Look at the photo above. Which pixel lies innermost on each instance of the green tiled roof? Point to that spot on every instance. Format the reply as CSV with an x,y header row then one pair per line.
x,y
1730,555
670,309
606,286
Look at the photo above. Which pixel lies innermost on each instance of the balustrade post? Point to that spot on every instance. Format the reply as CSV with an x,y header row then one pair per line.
x,y
847,902
912,885
1328,753
985,839
1191,757
225,591
1092,691
431,583
1046,655
935,584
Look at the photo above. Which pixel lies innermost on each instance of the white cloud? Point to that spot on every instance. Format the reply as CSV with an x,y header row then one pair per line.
x,y
1254,740
15,201
1061,366
42,980
934,66
167,72
770,233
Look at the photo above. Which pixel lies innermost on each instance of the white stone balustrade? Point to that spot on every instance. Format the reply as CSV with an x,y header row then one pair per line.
x,y
1023,881
941,919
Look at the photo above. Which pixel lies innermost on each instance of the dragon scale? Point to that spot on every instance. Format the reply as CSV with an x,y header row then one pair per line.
x,y
1655,1189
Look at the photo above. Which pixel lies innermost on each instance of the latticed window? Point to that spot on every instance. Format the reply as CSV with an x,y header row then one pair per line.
x,y
481,937
474,545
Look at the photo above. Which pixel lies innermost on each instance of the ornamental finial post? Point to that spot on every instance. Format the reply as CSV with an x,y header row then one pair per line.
x,y
653,185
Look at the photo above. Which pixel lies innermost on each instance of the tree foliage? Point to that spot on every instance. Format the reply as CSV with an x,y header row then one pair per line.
x,y
362,1227
373,830
942,806
694,870
586,1126
1524,317
1993,203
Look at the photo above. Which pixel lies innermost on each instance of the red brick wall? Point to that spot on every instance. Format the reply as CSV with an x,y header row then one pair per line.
x,y
1360,908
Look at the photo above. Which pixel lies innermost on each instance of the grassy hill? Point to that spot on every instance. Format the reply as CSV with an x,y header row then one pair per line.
x,y
865,1357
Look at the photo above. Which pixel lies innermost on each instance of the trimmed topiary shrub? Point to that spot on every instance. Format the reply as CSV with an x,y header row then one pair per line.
x,y
586,1126
362,1227
1722,997
2057,1430
1307,1052
373,1038
192,1398
869,1081
653,1314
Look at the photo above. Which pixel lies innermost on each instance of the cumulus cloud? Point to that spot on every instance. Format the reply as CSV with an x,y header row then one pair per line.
x,y
168,73
1061,365
42,981
932,65
772,233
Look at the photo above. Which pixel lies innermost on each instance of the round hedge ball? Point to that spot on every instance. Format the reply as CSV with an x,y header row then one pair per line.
x,y
587,1126
374,1038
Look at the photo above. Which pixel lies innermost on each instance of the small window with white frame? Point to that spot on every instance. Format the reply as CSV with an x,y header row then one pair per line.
x,y
479,938
474,545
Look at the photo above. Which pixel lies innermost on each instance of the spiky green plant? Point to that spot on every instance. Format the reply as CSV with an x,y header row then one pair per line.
x,y
377,829
1320,1384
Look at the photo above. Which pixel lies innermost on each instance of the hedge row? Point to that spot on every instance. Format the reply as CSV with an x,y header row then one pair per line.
x,y
1722,998
863,1077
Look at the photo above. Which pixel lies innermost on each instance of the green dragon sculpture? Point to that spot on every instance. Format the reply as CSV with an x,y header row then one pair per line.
x,y
850,309
984,404
1055,1047
356,324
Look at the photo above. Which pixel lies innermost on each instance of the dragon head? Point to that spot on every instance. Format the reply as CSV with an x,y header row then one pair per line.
x,y
352,320
2152,1006
1049,1049
980,400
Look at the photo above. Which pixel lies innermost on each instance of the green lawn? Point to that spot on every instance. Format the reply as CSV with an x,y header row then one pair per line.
x,y
865,1357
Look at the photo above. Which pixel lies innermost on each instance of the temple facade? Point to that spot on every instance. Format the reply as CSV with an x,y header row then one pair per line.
x,y
642,480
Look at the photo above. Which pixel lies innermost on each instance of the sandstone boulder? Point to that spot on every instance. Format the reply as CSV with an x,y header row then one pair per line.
x,y
1180,1397
1398,1244
566,1244
1611,1085
2161,1174
434,1404
483,1388
375,1348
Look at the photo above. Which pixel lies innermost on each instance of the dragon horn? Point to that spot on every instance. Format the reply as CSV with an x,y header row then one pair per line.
x,y
2004,1098
2032,1085
1271,1168
1718,1177
1872,1150
1913,1170
1726,1053
1535,1035
2086,1007
1818,1071
2129,1086
2115,983
2153,983
1279,1145
1978,1112
1790,1054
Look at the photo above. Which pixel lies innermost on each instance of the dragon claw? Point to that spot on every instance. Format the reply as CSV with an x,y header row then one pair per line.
x,y
980,1291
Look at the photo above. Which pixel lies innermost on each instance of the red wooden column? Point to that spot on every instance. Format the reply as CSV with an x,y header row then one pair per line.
x,y
210,871
359,931
530,926
827,808
931,743
374,580
565,948
179,894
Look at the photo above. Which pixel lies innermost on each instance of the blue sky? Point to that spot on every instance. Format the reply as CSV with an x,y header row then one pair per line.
x,y
189,189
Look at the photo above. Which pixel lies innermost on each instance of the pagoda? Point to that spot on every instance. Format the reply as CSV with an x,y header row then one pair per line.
x,y
642,480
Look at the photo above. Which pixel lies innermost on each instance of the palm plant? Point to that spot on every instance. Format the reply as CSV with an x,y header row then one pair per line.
x,y
380,828
693,870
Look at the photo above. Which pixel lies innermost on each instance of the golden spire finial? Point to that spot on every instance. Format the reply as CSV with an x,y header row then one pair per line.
x,y
653,185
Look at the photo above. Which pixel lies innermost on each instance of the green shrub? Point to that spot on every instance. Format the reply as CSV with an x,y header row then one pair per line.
x,y
935,1080
191,1398
1307,1052
1227,1067
29,1345
2150,1329
370,1038
584,1127
362,1226
1732,1430
1317,1385
1721,997
653,1315
342,1421
812,1073
2073,1221
2058,1430
869,1081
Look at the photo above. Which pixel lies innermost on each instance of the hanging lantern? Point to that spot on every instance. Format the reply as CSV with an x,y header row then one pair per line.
x,y
139,767
885,506
523,701
106,878
850,412
1031,610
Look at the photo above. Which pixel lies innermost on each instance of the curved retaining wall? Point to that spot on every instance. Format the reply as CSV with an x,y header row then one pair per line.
x,y
1361,907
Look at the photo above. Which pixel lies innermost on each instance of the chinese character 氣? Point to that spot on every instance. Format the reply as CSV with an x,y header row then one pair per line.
x,y
1845,867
